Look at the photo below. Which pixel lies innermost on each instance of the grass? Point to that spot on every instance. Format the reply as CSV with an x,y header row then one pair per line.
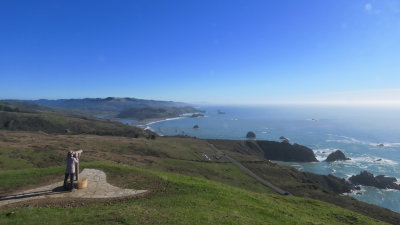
x,y
55,123
221,172
11,180
149,165
23,158
181,199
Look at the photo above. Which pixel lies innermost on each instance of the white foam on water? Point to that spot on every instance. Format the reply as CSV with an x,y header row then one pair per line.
x,y
362,190
322,154
348,176
297,166
351,140
395,144
373,160
384,144
175,118
390,190
347,141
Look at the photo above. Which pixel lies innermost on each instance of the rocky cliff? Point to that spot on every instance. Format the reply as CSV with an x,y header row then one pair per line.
x,y
286,152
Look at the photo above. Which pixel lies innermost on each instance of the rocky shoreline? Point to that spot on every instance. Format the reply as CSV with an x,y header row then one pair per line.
x,y
380,181
326,188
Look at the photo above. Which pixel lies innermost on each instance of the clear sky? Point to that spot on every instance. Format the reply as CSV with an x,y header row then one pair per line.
x,y
214,51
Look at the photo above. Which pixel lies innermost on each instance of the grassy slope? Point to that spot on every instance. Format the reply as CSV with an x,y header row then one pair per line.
x,y
55,123
162,166
181,199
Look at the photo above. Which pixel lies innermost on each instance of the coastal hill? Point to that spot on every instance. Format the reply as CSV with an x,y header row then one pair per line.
x,y
111,107
110,104
15,118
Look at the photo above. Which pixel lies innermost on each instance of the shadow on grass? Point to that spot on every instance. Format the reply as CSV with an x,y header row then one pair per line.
x,y
57,190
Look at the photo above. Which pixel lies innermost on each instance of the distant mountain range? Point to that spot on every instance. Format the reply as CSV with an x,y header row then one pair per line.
x,y
21,118
132,108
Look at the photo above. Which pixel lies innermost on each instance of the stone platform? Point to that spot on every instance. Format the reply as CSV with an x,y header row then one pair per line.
x,y
97,188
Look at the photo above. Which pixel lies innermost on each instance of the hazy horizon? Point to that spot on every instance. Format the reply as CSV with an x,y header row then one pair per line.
x,y
372,105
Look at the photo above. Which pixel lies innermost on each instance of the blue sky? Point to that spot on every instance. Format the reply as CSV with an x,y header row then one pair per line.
x,y
230,52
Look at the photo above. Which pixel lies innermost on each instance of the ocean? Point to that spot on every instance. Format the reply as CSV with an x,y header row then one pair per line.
x,y
357,131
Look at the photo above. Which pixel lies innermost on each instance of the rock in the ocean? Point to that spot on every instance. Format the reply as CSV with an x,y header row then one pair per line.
x,y
283,151
336,156
195,126
380,145
380,181
285,140
194,115
250,134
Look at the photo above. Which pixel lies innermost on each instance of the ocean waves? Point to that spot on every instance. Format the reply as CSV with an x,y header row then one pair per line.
x,y
351,140
373,160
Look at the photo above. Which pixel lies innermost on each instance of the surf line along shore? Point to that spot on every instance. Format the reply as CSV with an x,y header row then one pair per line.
x,y
145,124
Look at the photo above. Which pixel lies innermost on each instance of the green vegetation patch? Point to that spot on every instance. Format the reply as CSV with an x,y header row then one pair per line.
x,y
221,172
181,199
23,158
11,180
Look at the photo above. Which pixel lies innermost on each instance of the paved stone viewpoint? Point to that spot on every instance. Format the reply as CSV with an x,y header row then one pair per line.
x,y
97,188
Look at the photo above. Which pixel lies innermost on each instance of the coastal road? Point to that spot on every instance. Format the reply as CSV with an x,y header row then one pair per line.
x,y
249,172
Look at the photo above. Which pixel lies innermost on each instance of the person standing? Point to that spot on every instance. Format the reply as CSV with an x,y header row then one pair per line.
x,y
70,170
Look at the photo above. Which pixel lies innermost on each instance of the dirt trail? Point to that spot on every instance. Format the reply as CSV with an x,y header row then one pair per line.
x,y
97,188
249,172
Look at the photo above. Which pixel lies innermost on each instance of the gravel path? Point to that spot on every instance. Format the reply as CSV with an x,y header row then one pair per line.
x,y
97,188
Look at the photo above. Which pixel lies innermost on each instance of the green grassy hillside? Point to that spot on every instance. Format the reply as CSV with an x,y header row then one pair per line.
x,y
12,118
176,199
186,187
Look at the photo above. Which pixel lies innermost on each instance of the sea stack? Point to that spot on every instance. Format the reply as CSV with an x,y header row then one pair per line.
x,y
336,156
250,134
284,140
220,112
282,151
